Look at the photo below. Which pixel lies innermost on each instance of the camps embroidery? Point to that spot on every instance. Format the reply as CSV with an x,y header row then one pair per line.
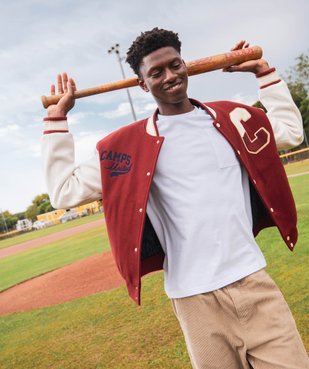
x,y
120,162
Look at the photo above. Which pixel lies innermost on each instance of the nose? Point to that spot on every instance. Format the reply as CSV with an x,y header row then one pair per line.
x,y
170,75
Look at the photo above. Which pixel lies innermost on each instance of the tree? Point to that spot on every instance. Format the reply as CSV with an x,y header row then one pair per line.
x,y
40,205
20,216
32,212
297,78
299,73
258,104
40,199
8,221
45,207
304,110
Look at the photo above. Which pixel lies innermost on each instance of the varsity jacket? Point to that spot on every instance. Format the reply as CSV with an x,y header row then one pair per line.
x,y
127,160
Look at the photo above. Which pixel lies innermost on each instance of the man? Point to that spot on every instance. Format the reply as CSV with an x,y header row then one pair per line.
x,y
193,203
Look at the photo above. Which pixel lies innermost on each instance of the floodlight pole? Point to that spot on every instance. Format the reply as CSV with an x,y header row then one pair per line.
x,y
115,49
4,222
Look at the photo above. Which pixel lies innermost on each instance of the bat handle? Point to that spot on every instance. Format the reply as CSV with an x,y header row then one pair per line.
x,y
112,86
50,100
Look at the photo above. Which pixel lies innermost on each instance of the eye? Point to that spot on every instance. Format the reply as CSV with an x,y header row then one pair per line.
x,y
176,65
156,74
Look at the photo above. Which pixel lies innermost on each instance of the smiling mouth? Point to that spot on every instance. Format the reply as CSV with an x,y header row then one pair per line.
x,y
174,87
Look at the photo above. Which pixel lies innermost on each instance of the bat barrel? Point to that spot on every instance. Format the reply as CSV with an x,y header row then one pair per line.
x,y
220,61
194,67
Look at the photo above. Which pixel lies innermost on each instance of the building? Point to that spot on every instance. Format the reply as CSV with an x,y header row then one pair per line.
x,y
53,217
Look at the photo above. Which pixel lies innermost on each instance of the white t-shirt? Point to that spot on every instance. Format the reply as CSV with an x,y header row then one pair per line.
x,y
199,206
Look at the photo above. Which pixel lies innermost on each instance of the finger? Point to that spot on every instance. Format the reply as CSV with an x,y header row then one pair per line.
x,y
65,82
233,68
70,89
238,45
59,82
72,82
227,69
52,90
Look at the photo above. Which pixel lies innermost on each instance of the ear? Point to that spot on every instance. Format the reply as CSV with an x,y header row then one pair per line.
x,y
142,84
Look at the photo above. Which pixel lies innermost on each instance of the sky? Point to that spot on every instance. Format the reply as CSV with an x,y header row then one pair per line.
x,y
40,39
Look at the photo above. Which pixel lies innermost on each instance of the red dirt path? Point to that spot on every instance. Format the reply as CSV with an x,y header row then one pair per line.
x,y
85,277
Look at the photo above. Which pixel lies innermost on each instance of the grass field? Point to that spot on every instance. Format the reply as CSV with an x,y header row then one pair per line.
x,y
28,264
46,231
290,269
108,331
299,167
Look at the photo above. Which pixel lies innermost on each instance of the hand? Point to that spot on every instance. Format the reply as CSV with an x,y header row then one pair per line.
x,y
253,66
65,104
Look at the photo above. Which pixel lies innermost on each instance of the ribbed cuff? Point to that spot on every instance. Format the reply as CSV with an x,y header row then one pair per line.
x,y
266,72
268,78
54,119
55,125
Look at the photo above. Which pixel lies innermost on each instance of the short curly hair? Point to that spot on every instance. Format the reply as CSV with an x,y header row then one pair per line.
x,y
148,42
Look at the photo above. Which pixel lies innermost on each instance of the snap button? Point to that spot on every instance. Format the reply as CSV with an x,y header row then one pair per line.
x,y
272,210
140,210
238,152
148,174
135,250
158,141
254,181
218,125
288,238
292,244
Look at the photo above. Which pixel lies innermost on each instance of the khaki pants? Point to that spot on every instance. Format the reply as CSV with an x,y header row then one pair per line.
x,y
246,324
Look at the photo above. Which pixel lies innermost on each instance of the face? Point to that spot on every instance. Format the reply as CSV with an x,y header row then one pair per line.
x,y
164,74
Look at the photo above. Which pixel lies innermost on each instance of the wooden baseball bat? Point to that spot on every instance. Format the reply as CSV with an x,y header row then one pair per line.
x,y
194,67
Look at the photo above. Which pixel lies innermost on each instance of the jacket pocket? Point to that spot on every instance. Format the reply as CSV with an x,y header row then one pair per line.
x,y
224,153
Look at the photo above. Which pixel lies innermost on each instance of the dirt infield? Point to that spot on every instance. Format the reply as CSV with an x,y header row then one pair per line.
x,y
85,277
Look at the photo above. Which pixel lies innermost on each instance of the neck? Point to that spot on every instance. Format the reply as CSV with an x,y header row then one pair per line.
x,y
175,108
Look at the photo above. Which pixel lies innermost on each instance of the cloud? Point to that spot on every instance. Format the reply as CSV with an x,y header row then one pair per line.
x,y
76,118
35,150
123,109
9,130
244,99
141,106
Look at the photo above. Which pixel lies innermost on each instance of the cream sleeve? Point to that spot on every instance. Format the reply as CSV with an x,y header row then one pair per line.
x,y
282,112
68,185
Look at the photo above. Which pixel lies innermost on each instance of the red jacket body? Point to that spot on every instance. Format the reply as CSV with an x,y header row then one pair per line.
x,y
128,159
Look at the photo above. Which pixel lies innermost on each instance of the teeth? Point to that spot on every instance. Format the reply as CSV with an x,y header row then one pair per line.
x,y
173,87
